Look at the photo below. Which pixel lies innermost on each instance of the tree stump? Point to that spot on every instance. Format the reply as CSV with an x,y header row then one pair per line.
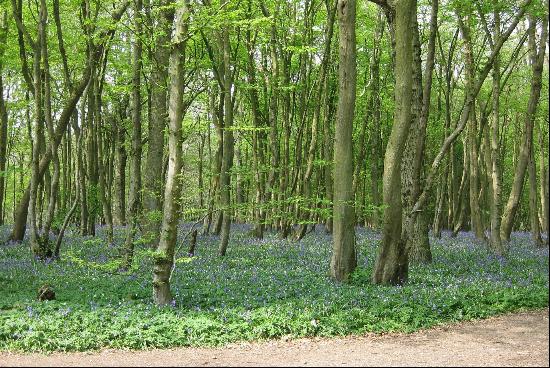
x,y
46,293
193,243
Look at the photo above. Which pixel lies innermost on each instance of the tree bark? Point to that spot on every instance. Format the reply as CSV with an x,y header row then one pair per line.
x,y
135,179
543,181
391,265
344,258
227,160
376,139
3,113
496,171
164,258
153,178
533,205
417,241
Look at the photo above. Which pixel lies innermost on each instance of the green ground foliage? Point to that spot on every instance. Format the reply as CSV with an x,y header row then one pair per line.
x,y
260,290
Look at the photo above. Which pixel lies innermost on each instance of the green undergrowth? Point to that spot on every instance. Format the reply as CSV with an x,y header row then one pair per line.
x,y
261,290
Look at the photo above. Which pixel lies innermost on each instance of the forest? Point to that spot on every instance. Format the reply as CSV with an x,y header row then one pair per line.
x,y
196,172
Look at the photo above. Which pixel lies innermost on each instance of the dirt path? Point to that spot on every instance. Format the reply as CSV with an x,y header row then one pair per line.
x,y
512,340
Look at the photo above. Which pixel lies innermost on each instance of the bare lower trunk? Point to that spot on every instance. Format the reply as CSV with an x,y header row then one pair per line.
x,y
153,178
417,241
135,181
543,183
391,265
164,258
3,114
495,173
344,258
227,163
120,177
533,201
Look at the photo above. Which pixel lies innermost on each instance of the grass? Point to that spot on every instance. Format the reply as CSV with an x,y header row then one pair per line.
x,y
260,290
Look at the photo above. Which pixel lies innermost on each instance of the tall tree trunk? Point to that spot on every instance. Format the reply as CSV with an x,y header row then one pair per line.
x,y
215,178
153,179
496,172
257,153
344,258
473,152
417,241
54,184
376,139
391,265
3,113
91,149
327,151
103,188
135,179
164,259
543,181
120,177
533,200
227,161
81,173
38,129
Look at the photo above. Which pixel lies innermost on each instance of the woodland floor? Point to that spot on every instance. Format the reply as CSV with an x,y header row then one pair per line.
x,y
518,339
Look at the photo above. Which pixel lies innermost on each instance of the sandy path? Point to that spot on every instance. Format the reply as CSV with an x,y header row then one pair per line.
x,y
512,340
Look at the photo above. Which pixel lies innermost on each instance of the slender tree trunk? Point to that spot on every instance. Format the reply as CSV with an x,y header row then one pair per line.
x,y
473,152
215,178
496,172
120,177
344,258
391,265
257,153
533,200
36,246
537,64
135,179
54,184
81,171
417,241
227,161
153,179
164,259
285,177
461,198
543,182
376,139
327,153
3,114
63,228
103,188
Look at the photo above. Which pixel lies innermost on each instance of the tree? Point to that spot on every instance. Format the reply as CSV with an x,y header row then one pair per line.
x,y
3,112
135,178
391,265
537,64
164,258
344,258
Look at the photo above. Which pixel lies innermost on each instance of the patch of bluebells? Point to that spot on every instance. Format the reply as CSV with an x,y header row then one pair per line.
x,y
260,289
